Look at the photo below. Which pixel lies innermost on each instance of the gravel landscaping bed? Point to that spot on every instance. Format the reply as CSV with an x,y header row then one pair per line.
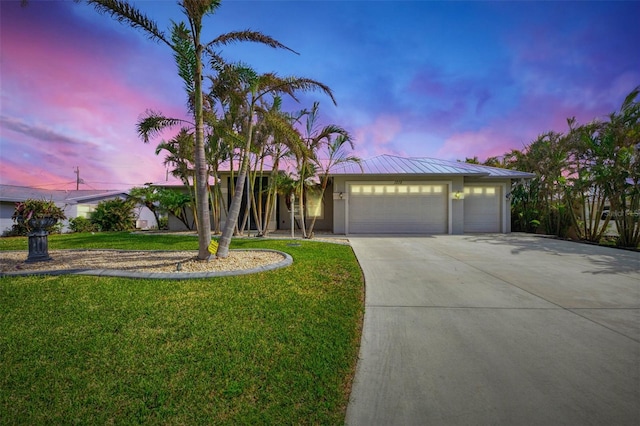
x,y
138,261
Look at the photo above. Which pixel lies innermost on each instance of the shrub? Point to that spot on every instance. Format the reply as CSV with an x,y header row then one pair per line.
x,y
16,230
163,223
82,224
114,215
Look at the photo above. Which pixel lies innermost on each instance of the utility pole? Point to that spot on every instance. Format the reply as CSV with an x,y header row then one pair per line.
x,y
78,180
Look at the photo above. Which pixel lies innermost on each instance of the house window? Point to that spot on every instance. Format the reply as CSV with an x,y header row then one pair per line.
x,y
85,210
314,205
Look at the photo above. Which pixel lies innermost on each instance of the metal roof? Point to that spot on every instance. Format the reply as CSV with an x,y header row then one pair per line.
x,y
394,165
13,193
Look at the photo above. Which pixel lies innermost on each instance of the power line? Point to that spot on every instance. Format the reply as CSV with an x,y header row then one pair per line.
x,y
52,184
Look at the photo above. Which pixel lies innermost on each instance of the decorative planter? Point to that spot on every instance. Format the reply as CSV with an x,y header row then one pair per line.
x,y
39,239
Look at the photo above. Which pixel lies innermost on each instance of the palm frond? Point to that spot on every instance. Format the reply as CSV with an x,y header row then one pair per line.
x,y
629,100
153,123
185,55
246,35
328,131
126,13
283,130
272,83
199,8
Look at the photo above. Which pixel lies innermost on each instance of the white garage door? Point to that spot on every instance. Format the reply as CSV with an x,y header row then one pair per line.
x,y
482,209
416,208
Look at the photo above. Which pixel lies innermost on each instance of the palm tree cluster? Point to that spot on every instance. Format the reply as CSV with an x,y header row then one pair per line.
x,y
586,178
237,123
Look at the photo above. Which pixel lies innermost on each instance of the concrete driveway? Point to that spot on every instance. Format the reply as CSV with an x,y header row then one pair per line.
x,y
497,329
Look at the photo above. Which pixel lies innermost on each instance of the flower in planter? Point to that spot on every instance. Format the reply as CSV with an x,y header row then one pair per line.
x,y
33,213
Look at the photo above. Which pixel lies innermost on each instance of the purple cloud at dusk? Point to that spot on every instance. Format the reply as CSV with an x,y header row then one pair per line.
x,y
426,79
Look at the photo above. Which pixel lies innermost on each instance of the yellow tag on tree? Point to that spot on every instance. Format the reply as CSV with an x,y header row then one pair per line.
x,y
213,247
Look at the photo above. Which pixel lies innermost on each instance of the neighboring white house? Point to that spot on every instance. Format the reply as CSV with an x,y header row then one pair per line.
x,y
75,203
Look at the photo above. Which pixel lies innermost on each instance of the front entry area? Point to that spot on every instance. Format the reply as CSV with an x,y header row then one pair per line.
x,y
401,208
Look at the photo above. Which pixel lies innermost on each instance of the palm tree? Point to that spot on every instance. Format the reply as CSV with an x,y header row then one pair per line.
x,y
335,148
187,44
284,139
180,154
330,140
620,140
586,191
254,89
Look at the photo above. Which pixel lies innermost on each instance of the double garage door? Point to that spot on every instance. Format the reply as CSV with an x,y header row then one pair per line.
x,y
415,208
419,208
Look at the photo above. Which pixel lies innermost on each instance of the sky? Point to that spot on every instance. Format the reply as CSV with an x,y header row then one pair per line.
x,y
446,80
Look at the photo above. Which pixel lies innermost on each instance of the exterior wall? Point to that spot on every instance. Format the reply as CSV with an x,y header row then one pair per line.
x,y
339,196
6,211
457,206
145,218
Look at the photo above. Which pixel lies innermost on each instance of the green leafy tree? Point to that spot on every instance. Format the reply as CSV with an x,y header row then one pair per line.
x,y
176,203
148,197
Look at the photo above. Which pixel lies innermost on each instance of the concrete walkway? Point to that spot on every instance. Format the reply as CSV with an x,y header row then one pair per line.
x,y
497,329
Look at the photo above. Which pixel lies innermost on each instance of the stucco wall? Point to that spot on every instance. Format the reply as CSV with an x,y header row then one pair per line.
x,y
6,211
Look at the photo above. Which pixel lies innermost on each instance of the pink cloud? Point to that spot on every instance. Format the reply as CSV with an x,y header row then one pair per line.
x,y
378,137
483,143
83,97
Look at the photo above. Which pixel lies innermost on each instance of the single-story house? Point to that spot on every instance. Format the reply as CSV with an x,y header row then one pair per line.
x,y
391,194
388,194
75,203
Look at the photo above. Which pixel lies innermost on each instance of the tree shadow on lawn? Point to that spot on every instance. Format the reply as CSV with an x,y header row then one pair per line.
x,y
607,260
120,240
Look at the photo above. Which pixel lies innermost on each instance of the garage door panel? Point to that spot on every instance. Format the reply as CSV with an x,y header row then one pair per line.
x,y
410,208
482,209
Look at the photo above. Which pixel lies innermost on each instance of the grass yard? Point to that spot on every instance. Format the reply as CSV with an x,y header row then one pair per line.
x,y
278,347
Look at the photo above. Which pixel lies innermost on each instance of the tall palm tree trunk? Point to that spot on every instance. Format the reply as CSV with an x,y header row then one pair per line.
x,y
202,169
234,209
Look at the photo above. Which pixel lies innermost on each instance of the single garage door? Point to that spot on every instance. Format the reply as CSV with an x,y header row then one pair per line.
x,y
415,208
482,209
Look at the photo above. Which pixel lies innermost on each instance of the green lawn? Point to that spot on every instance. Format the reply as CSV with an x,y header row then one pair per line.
x,y
278,347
